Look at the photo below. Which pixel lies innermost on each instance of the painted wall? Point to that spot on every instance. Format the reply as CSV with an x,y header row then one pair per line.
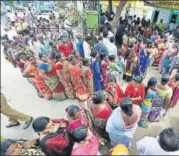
x,y
164,14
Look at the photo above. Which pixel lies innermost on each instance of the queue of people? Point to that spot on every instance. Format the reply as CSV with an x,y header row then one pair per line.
x,y
94,74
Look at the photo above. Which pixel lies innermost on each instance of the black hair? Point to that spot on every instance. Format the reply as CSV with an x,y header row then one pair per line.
x,y
126,106
112,79
138,79
105,33
72,109
152,82
98,97
85,62
40,55
71,57
88,38
109,28
40,123
94,53
119,52
169,140
165,78
100,38
177,77
58,56
111,57
80,133
112,39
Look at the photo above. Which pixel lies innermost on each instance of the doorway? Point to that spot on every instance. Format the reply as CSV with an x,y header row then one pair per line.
x,y
173,18
155,16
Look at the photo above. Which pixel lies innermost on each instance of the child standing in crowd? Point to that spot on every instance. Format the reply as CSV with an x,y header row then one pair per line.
x,y
121,64
114,68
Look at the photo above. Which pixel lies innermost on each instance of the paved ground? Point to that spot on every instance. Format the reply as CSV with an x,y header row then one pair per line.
x,y
22,96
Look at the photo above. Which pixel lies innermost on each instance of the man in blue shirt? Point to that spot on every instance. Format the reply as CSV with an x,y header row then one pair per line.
x,y
79,46
100,47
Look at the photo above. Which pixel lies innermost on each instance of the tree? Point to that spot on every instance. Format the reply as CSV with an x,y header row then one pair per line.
x,y
110,6
119,9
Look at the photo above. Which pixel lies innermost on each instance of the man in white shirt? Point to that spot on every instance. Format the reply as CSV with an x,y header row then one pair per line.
x,y
87,47
166,144
111,47
110,34
105,39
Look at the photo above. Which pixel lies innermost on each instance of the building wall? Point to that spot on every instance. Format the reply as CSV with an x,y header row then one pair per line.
x,y
165,15
137,8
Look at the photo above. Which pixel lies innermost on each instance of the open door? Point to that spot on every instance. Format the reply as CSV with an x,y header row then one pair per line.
x,y
173,18
155,16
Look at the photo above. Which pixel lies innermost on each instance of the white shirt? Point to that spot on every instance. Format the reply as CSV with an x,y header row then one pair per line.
x,y
87,49
112,49
38,46
110,34
150,146
106,41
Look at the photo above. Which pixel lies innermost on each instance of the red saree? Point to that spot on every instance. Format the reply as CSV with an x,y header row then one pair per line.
x,y
77,80
133,92
83,120
115,90
39,81
56,87
64,76
88,78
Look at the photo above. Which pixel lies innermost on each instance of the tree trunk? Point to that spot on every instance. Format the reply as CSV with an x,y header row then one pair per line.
x,y
110,6
118,14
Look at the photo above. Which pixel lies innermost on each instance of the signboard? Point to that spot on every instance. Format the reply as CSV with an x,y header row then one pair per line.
x,y
166,4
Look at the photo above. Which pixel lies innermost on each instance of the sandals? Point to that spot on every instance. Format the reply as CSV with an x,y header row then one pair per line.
x,y
12,125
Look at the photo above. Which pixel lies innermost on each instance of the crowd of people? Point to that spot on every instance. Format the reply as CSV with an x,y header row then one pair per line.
x,y
94,73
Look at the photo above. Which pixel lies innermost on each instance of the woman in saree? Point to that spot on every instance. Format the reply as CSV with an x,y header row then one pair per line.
x,y
32,72
124,48
135,90
48,73
164,61
130,65
77,57
62,70
174,72
100,111
80,88
161,48
85,142
122,123
174,84
23,61
95,68
54,136
115,90
105,69
87,76
144,62
153,52
150,92
78,116
161,102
